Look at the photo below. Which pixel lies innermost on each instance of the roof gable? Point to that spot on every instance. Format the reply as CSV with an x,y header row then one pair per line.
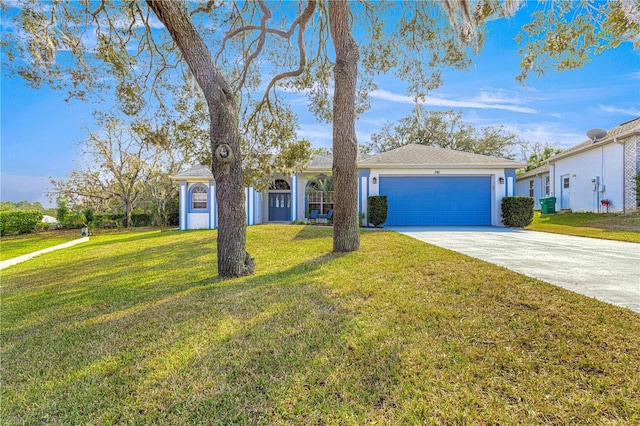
x,y
415,155
195,172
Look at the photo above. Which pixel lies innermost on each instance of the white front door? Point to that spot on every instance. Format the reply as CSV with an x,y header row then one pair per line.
x,y
565,185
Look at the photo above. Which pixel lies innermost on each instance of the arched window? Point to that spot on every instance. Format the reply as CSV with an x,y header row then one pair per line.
x,y
280,184
319,195
199,198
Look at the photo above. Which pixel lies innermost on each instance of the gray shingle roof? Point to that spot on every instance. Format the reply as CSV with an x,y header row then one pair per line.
x,y
414,155
325,161
623,130
195,172
538,170
410,156
320,161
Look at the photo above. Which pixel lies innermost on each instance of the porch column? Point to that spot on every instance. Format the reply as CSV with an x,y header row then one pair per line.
x,y
294,197
364,175
183,205
250,206
213,205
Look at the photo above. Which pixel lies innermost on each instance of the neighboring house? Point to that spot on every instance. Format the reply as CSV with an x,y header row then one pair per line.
x,y
581,177
535,183
424,185
49,219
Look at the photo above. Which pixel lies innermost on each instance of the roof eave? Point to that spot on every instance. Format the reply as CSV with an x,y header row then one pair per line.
x,y
191,178
606,141
444,166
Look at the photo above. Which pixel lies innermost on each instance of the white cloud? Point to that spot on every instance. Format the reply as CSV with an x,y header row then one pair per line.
x,y
634,112
321,135
316,132
552,133
477,103
633,75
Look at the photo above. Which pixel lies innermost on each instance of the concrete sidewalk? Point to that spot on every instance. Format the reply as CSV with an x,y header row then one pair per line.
x,y
603,269
25,257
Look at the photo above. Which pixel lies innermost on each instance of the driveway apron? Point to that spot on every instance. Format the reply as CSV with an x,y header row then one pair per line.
x,y
606,270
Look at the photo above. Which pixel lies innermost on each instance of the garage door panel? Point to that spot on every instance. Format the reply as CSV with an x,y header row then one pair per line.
x,y
422,200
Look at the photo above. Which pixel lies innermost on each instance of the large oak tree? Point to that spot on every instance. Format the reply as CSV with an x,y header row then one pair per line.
x,y
228,47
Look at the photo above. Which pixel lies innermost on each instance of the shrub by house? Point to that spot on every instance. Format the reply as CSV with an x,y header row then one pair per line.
x,y
517,212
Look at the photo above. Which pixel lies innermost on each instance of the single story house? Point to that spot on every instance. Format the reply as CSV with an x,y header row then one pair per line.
x,y
593,176
425,186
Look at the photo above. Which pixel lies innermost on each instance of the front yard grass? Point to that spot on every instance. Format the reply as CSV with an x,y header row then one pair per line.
x,y
16,245
135,329
605,226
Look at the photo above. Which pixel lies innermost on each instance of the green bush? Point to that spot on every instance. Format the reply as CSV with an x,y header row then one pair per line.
x,y
19,221
173,212
141,219
517,212
108,220
73,220
377,209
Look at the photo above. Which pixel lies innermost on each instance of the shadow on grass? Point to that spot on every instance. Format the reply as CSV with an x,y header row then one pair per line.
x,y
309,232
244,349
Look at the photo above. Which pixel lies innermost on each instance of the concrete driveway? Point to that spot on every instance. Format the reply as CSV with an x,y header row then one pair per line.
x,y
603,269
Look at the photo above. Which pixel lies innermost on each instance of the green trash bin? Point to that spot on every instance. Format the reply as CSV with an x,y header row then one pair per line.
x,y
548,205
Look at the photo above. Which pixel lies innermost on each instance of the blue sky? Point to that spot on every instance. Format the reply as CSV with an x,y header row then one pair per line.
x,y
40,132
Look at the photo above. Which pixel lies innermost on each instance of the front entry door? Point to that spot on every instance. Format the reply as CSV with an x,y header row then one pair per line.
x,y
279,207
564,192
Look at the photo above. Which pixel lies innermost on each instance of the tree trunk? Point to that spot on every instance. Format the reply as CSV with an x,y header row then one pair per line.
x,y
346,232
233,260
126,220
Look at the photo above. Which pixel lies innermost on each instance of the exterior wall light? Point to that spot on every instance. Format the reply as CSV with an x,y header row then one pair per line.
x,y
501,180
374,180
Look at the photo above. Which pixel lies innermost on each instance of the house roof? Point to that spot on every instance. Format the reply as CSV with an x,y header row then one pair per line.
x,y
622,131
195,172
325,161
408,156
320,161
534,172
414,156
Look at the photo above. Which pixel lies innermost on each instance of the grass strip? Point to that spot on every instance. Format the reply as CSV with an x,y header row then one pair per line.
x,y
593,225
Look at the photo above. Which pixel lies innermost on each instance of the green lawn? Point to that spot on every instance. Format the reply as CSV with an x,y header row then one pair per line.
x,y
135,329
605,226
16,245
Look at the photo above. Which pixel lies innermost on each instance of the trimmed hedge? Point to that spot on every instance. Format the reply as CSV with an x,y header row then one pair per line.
x,y
517,212
377,210
141,219
19,221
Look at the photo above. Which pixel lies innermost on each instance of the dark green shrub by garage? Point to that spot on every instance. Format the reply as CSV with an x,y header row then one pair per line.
x,y
19,221
377,210
517,212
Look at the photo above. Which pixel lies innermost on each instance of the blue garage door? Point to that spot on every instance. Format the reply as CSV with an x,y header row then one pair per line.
x,y
446,200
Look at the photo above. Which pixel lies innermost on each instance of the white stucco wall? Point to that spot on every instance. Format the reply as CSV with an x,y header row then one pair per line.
x,y
497,189
604,163
522,187
198,220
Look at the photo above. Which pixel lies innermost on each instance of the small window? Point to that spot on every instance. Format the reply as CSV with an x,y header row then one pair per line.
x,y
547,186
565,182
199,198
531,188
280,184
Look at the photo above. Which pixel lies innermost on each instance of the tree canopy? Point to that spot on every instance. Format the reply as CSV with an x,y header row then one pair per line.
x,y
444,129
